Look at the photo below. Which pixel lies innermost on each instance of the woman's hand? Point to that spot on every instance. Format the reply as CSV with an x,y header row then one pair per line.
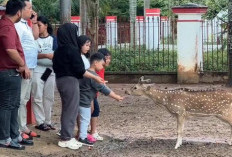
x,y
99,80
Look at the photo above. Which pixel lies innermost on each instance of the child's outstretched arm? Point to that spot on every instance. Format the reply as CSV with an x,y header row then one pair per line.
x,y
115,96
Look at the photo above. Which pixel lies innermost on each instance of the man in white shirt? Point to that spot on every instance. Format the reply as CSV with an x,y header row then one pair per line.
x,y
27,37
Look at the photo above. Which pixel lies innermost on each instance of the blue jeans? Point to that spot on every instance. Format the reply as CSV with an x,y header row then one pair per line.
x,y
10,88
85,116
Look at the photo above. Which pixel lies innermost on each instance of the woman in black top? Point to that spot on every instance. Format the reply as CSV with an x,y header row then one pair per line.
x,y
69,67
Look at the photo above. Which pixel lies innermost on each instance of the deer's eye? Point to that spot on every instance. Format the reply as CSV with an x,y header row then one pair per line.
x,y
135,87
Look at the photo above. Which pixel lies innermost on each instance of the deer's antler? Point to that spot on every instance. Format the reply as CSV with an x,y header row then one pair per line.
x,y
141,80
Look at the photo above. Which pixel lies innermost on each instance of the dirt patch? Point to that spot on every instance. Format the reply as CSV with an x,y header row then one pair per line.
x,y
137,127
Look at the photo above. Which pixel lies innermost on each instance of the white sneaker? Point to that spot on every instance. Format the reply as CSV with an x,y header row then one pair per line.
x,y
97,137
71,144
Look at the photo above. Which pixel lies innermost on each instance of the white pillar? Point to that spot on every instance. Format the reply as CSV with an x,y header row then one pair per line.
x,y
165,27
189,42
77,21
140,28
111,31
152,28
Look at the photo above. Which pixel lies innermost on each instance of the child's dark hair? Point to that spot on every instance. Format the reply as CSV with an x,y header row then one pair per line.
x,y
96,57
104,51
81,41
45,21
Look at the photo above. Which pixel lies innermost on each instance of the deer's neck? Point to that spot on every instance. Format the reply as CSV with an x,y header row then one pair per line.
x,y
158,96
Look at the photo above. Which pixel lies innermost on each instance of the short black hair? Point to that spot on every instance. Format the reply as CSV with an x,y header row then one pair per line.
x,y
104,51
96,57
13,6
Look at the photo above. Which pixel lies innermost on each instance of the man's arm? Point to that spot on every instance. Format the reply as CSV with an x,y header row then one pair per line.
x,y
14,55
35,30
35,27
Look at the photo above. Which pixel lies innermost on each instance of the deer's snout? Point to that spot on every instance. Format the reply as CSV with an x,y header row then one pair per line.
x,y
127,92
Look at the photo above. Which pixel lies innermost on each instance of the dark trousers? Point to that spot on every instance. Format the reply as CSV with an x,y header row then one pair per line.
x,y
96,110
10,87
68,88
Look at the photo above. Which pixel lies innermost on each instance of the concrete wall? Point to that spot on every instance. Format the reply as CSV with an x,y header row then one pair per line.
x,y
164,78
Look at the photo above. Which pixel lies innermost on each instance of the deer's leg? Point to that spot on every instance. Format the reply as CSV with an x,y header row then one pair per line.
x,y
180,128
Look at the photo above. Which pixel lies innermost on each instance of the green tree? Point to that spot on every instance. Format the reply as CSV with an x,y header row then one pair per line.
x,y
75,7
215,6
120,8
48,8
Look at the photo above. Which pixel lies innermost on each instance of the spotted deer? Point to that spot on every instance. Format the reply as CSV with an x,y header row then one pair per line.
x,y
183,102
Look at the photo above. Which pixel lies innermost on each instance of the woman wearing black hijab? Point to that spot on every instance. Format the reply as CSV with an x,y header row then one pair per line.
x,y
69,67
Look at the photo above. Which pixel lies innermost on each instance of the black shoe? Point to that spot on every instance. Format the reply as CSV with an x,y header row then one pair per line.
x,y
42,127
85,142
26,142
51,127
13,145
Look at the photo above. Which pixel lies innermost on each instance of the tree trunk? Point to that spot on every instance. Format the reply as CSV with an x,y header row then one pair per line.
x,y
92,12
65,11
146,6
230,41
83,15
133,6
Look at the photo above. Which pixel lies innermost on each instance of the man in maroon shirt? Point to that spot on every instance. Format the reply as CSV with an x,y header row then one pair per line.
x,y
12,66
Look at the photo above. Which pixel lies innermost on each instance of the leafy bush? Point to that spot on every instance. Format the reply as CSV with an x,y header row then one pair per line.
x,y
216,61
138,59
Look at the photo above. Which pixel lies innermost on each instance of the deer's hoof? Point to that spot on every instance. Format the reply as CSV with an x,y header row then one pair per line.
x,y
177,146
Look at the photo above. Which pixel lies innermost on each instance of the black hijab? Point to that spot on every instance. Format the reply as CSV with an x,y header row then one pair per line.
x,y
67,35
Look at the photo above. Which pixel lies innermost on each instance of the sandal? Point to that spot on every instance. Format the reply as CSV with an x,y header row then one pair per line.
x,y
42,127
32,134
26,136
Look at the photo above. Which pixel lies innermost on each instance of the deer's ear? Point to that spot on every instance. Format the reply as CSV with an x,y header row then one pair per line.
x,y
148,88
